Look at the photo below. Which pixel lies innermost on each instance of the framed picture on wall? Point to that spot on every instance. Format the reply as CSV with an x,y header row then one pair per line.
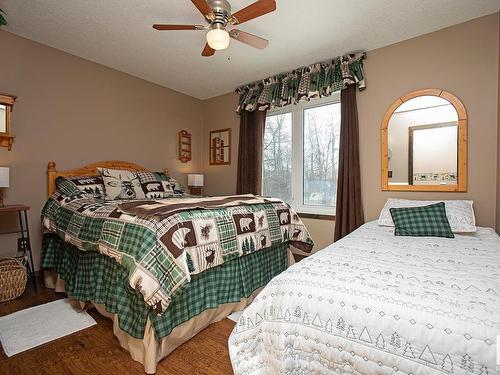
x,y
220,146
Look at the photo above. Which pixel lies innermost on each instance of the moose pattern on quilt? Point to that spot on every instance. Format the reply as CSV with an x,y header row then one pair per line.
x,y
247,224
161,253
373,303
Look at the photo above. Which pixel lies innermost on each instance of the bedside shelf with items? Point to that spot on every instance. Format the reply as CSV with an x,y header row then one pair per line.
x,y
24,253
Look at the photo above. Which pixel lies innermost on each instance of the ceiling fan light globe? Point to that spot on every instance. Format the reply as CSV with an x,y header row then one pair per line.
x,y
218,39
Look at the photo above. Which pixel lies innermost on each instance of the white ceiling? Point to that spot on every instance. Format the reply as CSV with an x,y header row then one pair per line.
x,y
118,34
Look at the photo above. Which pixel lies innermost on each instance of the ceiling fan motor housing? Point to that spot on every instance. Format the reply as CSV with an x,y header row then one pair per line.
x,y
222,11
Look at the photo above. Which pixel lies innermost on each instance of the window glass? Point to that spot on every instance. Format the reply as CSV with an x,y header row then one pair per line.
x,y
321,154
301,155
277,167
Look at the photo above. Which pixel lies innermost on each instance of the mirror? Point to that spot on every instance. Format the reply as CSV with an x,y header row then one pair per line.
x,y
220,147
424,143
6,104
3,118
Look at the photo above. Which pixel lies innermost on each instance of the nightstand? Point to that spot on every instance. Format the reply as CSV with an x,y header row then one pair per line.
x,y
23,242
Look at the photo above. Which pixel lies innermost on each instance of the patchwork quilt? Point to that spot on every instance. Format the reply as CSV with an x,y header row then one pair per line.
x,y
373,303
162,251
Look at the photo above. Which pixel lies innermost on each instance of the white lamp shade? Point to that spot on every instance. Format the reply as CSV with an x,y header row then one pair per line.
x,y
195,180
4,177
218,39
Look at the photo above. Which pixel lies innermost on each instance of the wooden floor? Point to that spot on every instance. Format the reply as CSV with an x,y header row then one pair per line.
x,y
95,350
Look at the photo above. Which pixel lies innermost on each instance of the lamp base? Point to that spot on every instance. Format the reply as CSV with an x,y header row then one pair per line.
x,y
1,198
194,190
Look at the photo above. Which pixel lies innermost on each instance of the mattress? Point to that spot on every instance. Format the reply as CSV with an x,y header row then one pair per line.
x,y
373,303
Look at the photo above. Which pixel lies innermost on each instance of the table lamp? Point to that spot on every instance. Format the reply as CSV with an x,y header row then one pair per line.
x,y
195,183
4,182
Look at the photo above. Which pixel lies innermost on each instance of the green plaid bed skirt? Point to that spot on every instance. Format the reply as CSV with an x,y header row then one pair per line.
x,y
90,276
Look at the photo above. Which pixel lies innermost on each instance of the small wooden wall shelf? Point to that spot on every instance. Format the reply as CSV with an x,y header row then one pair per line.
x,y
6,105
185,147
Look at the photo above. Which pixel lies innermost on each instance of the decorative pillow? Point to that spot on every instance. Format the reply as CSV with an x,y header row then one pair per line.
x,y
459,212
66,186
179,190
92,185
155,184
424,221
121,184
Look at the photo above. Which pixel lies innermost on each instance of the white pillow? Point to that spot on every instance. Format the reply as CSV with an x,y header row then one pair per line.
x,y
459,212
121,184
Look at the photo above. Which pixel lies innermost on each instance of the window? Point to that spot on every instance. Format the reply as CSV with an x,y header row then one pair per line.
x,y
301,149
278,156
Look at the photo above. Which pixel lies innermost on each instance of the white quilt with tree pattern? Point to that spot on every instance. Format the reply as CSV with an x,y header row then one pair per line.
x,y
373,303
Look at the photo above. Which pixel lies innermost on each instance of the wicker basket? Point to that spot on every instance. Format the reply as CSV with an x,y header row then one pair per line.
x,y
13,279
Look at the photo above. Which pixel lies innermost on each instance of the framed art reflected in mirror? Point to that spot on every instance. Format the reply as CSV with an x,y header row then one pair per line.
x,y
424,143
220,146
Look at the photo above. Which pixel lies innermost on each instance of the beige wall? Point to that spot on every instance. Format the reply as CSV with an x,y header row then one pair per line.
x,y
451,59
220,113
498,137
75,112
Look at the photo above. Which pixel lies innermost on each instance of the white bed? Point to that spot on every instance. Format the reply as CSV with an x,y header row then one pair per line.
x,y
373,303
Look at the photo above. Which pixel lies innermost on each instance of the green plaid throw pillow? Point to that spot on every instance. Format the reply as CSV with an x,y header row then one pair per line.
x,y
425,221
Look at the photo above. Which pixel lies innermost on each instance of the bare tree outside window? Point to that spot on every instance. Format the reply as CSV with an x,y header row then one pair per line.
x,y
278,156
301,155
321,154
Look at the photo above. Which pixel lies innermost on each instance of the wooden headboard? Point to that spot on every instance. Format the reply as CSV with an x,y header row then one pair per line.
x,y
91,169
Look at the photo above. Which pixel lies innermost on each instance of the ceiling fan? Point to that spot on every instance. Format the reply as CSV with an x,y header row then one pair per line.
x,y
218,15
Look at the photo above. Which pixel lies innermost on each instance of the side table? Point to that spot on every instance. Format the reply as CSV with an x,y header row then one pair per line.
x,y
23,242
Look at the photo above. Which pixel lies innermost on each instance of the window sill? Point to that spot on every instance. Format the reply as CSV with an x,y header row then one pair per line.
x,y
316,216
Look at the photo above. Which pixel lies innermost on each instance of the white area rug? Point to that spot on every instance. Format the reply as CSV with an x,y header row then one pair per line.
x,y
28,328
236,315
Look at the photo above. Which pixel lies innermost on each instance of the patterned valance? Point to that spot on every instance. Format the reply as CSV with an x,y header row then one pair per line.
x,y
302,84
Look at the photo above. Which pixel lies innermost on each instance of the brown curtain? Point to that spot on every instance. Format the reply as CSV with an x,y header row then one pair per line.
x,y
349,214
250,152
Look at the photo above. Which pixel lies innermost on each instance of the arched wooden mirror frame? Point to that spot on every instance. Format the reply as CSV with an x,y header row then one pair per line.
x,y
461,185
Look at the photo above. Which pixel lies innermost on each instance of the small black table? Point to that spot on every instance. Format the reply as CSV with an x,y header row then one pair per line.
x,y
23,242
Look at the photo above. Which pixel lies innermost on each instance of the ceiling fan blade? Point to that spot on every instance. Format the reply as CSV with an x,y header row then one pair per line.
x,y
178,27
250,39
257,9
208,51
204,8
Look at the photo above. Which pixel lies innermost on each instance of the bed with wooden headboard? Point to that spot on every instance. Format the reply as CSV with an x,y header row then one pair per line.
x,y
90,169
86,236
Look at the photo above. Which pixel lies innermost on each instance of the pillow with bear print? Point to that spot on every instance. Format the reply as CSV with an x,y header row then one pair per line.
x,y
155,185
